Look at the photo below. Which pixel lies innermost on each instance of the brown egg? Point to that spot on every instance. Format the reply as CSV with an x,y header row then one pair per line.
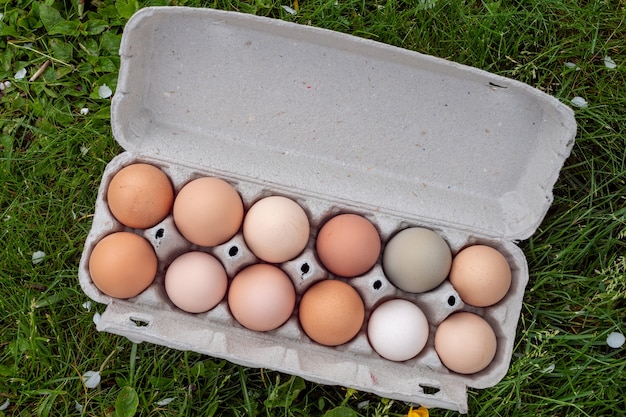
x,y
348,245
465,343
481,275
208,211
122,265
261,297
140,196
331,312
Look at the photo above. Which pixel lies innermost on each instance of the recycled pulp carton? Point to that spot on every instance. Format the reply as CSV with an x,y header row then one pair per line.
x,y
340,124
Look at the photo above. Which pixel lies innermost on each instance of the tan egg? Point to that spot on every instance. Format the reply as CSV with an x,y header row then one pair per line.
x,y
208,211
140,196
196,282
331,312
481,275
261,297
123,264
348,245
465,343
276,229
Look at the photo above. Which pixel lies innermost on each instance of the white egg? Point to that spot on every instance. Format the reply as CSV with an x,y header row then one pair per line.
x,y
398,330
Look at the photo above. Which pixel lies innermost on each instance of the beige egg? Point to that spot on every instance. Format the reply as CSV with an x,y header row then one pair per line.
x,y
261,297
276,229
196,282
208,211
123,264
481,275
331,312
140,196
465,343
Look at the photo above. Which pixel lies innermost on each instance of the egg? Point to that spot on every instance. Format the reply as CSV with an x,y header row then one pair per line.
x,y
348,245
208,211
261,297
397,330
140,196
417,260
276,229
331,312
196,282
122,264
481,275
465,343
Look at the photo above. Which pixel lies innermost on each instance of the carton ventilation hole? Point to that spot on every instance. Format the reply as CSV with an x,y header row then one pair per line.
x,y
305,268
160,233
429,390
233,251
140,322
377,284
452,301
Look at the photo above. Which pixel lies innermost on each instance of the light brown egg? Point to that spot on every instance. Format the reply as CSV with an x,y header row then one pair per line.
x,y
331,312
465,343
123,264
208,211
348,245
481,275
261,297
140,196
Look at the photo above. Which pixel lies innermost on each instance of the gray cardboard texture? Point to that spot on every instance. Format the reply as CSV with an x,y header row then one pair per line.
x,y
340,124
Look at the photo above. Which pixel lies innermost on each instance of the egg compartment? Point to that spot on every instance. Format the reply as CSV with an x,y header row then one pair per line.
x,y
304,271
340,124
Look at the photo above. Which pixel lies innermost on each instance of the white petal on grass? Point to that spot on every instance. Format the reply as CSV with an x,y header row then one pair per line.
x,y
19,75
84,111
289,10
615,340
5,405
609,63
579,102
573,66
91,379
96,318
38,257
2,86
548,369
78,406
87,305
7,84
84,149
1,16
165,401
104,91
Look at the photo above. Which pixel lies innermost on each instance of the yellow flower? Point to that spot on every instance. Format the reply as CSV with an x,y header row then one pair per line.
x,y
420,412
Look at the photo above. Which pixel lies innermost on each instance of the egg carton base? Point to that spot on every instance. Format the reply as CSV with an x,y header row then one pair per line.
x,y
138,326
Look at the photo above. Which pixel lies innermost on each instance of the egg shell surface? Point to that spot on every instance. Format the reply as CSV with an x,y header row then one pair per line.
x,y
196,282
140,195
465,343
123,264
348,245
331,312
261,297
398,330
208,211
481,275
276,229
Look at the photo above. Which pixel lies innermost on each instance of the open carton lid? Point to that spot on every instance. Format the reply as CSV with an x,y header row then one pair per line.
x,y
341,118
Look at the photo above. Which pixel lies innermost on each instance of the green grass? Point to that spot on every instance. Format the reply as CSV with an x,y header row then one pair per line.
x,y
52,157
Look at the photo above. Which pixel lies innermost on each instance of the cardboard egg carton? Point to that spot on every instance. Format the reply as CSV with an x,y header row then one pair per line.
x,y
339,124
